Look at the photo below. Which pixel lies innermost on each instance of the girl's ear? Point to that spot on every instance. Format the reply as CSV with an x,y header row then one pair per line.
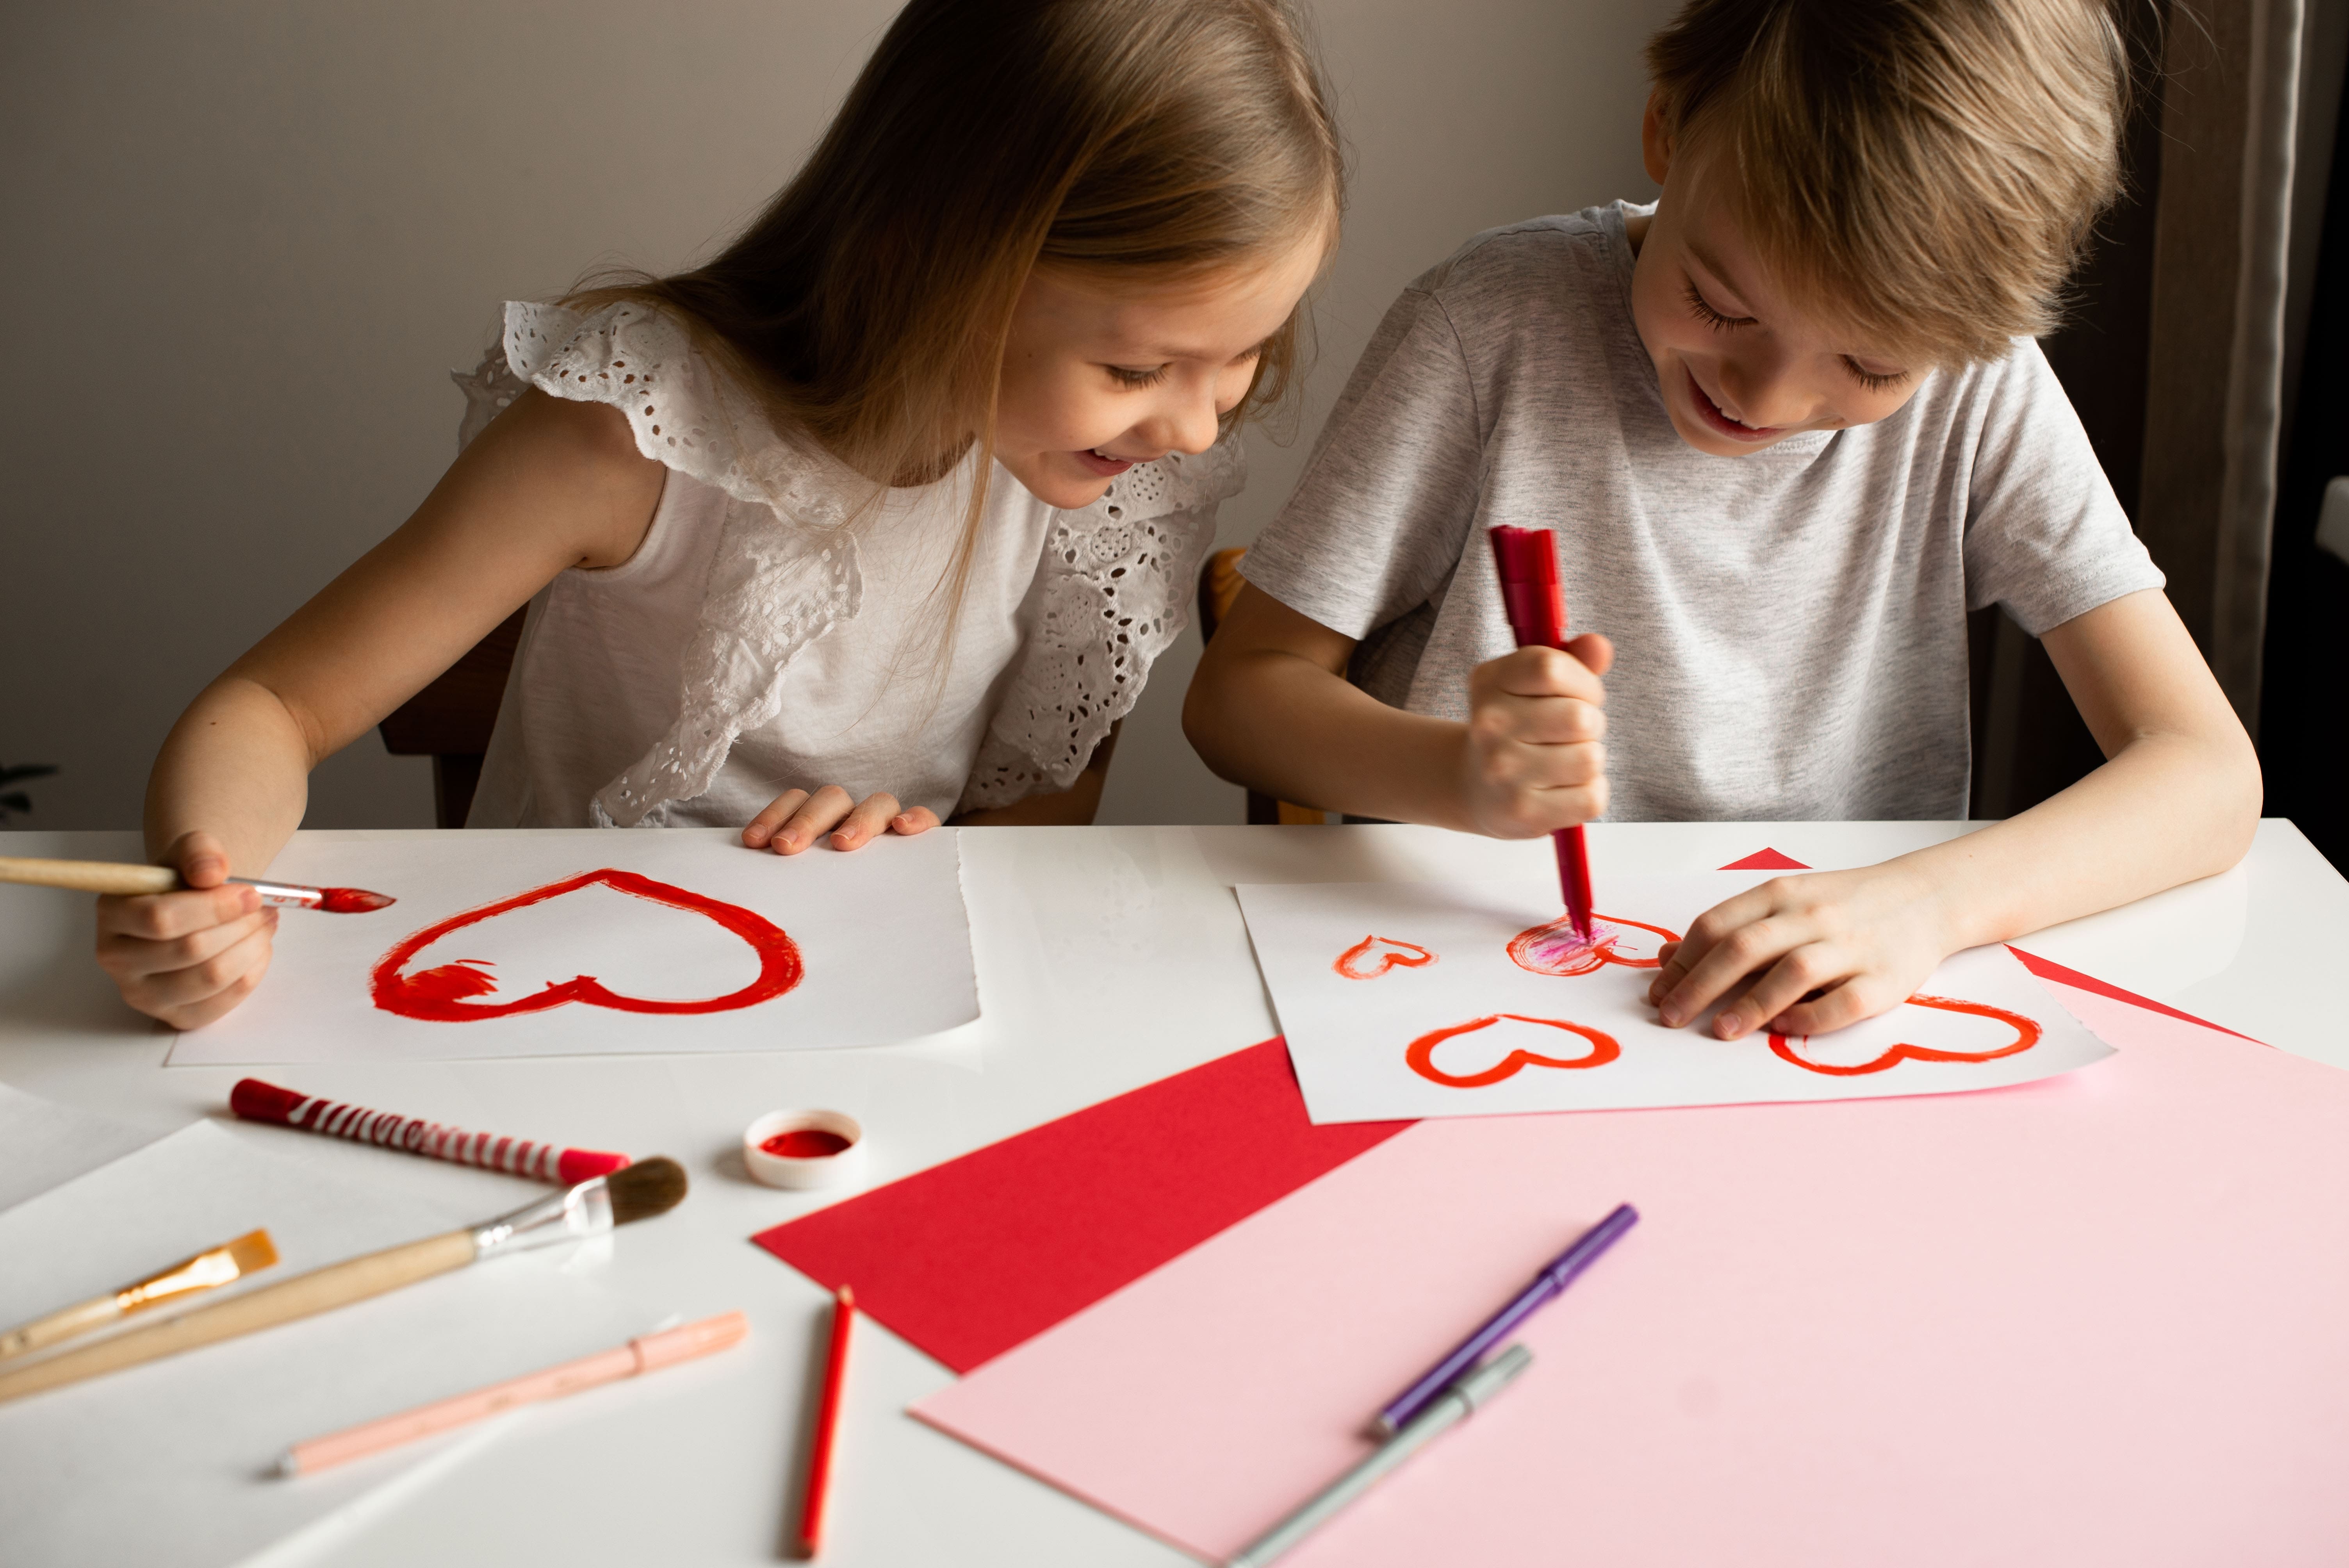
x,y
1656,137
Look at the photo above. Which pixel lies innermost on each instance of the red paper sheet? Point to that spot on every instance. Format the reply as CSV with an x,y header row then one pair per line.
x,y
970,1258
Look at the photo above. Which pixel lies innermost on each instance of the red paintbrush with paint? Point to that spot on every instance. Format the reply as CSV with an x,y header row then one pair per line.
x,y
132,880
1535,602
257,1101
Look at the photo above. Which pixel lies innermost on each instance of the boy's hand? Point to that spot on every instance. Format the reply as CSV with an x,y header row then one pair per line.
x,y
188,957
1806,955
1534,761
795,820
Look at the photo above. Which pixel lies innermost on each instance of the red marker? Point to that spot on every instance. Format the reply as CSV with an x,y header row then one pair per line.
x,y
827,1427
1530,592
257,1101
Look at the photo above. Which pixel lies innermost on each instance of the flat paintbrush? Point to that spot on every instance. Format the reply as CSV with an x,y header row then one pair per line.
x,y
590,1209
249,1254
130,881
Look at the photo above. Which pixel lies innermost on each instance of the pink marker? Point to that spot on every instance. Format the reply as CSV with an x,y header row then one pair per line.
x,y
649,1353
257,1101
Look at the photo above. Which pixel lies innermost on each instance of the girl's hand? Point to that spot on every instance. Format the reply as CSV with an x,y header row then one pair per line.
x,y
188,957
1533,762
1807,954
795,820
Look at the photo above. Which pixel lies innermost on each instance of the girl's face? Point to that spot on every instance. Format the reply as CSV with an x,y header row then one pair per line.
x,y
1101,374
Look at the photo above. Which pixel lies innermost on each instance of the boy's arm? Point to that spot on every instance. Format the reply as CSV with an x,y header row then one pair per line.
x,y
2178,798
1270,708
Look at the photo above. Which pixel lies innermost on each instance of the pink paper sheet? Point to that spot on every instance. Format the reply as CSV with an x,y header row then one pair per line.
x,y
2096,1319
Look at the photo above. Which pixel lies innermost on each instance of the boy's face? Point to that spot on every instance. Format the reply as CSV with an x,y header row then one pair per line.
x,y
1742,363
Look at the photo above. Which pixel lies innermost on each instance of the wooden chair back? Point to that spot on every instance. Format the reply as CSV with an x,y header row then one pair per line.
x,y
1219,587
450,720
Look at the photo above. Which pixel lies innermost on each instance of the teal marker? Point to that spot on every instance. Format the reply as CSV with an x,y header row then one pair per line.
x,y
1447,1408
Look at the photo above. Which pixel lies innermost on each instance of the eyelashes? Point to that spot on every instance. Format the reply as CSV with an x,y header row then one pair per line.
x,y
1702,310
1873,382
1136,379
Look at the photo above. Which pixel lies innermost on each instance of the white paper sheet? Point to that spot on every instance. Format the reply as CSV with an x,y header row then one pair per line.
x,y
167,1463
788,953
1418,999
43,1144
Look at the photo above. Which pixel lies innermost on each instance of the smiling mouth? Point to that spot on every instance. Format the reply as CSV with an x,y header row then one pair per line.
x,y
1100,463
1734,430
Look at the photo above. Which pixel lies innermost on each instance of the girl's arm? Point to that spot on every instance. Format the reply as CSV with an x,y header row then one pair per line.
x,y
548,485
2178,798
1270,708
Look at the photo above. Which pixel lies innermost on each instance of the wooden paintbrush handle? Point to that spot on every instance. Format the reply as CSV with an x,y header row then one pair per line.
x,y
90,876
336,1285
62,1324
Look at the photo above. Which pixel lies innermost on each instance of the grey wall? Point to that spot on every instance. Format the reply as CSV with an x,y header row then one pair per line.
x,y
244,245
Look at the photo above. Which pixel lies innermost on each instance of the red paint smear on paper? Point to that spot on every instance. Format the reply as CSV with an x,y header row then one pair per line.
x,y
1766,860
438,995
453,982
1558,948
2048,969
805,1143
1396,954
2027,1034
1421,1057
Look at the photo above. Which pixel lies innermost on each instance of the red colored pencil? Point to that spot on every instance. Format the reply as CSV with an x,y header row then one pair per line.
x,y
1535,602
827,1426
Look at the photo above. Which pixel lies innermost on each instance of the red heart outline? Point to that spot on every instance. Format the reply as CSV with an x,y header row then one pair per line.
x,y
1588,957
1346,966
435,995
2027,1034
1421,1057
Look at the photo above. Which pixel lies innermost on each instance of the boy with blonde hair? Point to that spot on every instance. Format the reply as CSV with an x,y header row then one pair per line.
x,y
1790,425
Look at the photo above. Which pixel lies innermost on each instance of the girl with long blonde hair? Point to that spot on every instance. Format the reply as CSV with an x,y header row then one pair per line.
x,y
878,517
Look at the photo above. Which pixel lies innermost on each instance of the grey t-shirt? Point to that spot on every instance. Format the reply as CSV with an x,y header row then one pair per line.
x,y
1789,626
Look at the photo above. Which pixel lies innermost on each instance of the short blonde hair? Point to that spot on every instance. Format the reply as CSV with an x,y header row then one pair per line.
x,y
1929,169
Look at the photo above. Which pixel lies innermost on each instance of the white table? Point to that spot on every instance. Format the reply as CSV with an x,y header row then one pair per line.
x,y
1107,957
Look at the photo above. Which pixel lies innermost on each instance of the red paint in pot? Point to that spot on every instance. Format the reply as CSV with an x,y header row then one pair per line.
x,y
804,1143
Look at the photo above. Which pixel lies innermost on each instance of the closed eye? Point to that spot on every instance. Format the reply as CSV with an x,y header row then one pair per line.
x,y
1703,311
1870,379
1126,376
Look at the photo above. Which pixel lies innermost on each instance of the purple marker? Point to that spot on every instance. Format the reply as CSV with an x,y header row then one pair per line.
x,y
1555,1277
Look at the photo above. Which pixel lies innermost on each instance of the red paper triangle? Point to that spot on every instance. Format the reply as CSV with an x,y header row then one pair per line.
x,y
970,1258
2048,969
1766,860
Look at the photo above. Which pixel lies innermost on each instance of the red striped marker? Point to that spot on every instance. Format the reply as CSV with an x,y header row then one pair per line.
x,y
257,1101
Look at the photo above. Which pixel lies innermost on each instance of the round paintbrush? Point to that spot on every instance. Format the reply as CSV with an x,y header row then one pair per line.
x,y
592,1208
131,880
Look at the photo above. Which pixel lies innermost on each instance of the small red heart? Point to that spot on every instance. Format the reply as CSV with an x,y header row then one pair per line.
x,y
1558,948
2027,1034
1421,1054
438,994
1390,955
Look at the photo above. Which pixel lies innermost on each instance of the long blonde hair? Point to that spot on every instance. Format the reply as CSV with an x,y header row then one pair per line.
x,y
868,304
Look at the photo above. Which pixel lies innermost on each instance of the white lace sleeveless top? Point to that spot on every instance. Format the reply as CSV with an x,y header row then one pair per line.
x,y
760,640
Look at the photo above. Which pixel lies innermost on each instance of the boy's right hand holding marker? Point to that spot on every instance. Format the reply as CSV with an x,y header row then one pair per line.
x,y
1534,757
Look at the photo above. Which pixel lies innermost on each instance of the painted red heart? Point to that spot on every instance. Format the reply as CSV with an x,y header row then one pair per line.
x,y
438,994
1421,1057
1390,953
2027,1034
1558,948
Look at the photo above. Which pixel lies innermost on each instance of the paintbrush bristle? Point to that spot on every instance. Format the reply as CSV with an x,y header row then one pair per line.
x,y
648,1187
252,1253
